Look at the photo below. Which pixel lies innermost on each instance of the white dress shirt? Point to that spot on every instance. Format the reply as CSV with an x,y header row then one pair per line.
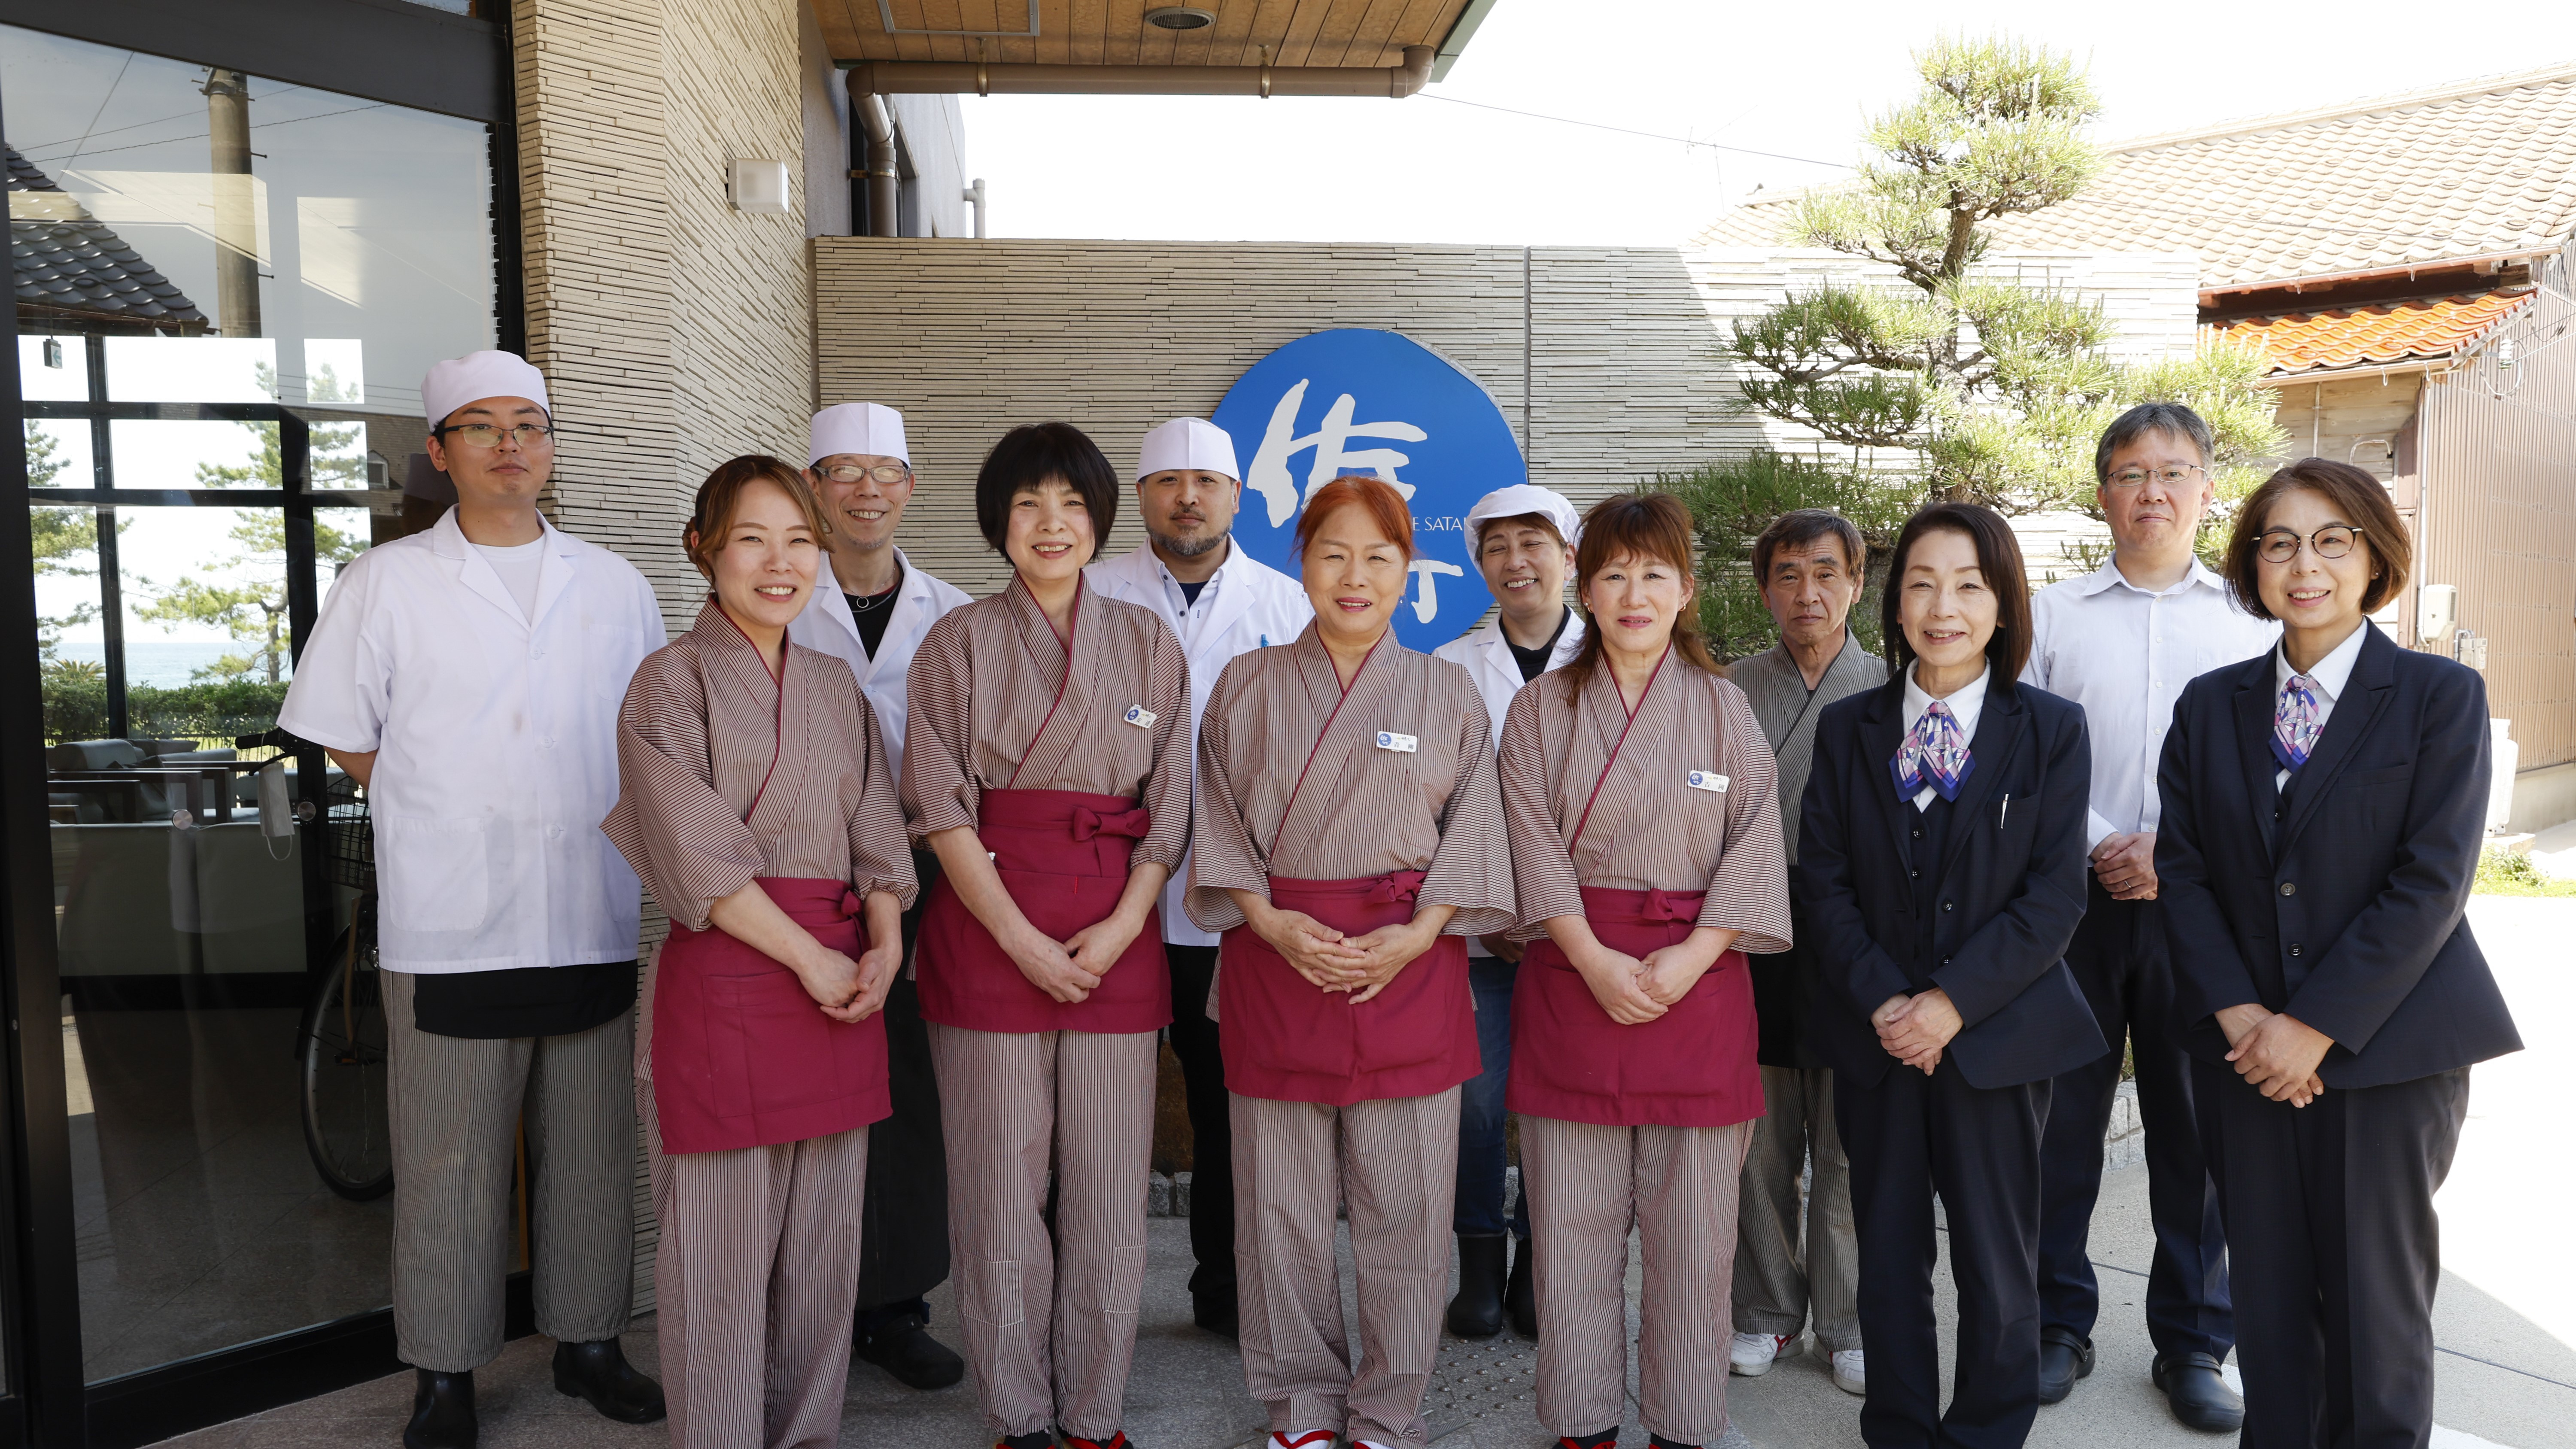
x,y
2326,680
1245,605
2124,654
1966,704
826,625
495,732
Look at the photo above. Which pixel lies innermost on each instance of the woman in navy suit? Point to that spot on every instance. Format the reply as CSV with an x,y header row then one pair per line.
x,y
1942,863
2323,807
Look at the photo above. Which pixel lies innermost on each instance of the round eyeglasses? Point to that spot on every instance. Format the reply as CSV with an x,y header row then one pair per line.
x,y
2280,545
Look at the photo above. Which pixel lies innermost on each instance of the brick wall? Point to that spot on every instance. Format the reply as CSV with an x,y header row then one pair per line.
x,y
1603,359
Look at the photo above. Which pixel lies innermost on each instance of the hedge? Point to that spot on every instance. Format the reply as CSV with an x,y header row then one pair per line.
x,y
76,709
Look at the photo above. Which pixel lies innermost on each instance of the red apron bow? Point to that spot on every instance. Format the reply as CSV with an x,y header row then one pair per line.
x,y
1397,887
1672,905
1089,823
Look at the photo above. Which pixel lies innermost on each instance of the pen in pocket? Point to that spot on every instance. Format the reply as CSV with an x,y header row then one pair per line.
x,y
2003,810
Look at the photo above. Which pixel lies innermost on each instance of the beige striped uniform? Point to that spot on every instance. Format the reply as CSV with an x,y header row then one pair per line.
x,y
728,774
1648,829
1276,715
1050,1322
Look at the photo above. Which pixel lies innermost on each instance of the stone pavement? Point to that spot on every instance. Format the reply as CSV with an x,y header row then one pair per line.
x,y
2505,1322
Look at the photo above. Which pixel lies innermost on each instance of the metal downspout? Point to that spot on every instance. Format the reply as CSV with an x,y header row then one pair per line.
x,y
884,200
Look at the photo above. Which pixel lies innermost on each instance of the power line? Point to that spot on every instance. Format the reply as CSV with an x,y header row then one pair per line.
x,y
1626,131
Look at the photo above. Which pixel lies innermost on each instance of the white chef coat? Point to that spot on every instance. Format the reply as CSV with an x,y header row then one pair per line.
x,y
826,625
1487,656
1245,605
496,745
2124,654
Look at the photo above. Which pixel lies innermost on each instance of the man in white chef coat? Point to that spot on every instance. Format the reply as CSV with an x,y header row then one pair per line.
x,y
1219,602
870,609
469,676
1524,537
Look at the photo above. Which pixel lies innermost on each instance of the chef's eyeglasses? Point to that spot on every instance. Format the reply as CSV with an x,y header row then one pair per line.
x,y
886,473
2280,545
2128,478
488,435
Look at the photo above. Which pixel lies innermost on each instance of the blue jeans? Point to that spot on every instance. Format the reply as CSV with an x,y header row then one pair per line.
x,y
1480,1108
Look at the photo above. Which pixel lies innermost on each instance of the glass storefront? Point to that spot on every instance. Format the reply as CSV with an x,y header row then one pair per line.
x,y
228,289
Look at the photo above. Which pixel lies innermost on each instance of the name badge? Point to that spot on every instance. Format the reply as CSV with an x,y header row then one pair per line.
x,y
1141,717
1708,780
1401,744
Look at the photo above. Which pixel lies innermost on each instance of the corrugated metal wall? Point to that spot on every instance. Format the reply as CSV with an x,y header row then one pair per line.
x,y
2499,481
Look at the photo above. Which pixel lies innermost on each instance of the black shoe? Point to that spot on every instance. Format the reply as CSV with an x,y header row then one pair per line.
x,y
2198,1393
1477,1311
905,1349
1520,1295
598,1371
1215,1311
1658,1441
442,1412
1034,1439
2063,1358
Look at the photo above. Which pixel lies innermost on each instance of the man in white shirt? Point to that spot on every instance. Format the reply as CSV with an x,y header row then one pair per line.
x,y
870,609
2122,641
1524,539
470,678
1219,602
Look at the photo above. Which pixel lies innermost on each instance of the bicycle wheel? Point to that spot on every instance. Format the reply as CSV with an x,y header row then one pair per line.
x,y
341,1048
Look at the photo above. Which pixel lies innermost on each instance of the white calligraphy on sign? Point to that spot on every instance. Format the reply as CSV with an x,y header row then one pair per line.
x,y
1279,442
1426,604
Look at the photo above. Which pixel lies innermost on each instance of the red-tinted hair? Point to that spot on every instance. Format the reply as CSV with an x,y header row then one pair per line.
x,y
1385,506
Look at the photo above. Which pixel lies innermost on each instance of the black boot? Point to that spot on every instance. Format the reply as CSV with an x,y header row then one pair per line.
x,y
442,1412
598,1371
1217,1311
1477,1311
1520,1296
905,1349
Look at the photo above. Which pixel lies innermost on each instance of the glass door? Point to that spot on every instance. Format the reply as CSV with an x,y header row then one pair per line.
x,y
229,288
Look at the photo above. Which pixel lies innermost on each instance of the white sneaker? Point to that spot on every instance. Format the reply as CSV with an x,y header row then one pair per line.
x,y
1751,1354
1849,1375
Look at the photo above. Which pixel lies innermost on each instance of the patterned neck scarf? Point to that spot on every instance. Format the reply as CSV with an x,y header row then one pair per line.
x,y
2294,723
1935,753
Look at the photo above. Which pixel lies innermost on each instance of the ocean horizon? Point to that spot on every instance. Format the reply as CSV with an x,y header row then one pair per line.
x,y
158,663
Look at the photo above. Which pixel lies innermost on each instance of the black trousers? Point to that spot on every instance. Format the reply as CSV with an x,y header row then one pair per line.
x,y
1908,1137
1211,1134
2119,958
903,1228
2338,1253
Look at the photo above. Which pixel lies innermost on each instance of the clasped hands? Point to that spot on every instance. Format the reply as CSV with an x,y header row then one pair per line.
x,y
1070,970
2276,1053
851,990
1634,990
1333,960
1916,1029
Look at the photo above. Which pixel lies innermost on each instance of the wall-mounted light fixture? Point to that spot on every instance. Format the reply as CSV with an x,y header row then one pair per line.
x,y
53,352
1180,17
758,188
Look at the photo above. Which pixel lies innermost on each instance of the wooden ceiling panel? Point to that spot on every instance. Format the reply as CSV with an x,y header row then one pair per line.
x,y
1114,32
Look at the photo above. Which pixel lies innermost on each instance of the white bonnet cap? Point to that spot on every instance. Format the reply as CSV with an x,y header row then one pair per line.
x,y
1187,443
857,428
1523,498
478,375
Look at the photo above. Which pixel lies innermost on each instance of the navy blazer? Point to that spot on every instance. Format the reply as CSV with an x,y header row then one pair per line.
x,y
2003,905
2353,919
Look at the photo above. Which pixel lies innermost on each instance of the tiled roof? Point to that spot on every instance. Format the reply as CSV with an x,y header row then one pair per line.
x,y
72,271
2472,169
2385,332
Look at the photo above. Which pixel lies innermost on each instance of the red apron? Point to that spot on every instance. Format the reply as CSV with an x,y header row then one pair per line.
x,y
1285,1040
1063,856
1693,1066
742,1056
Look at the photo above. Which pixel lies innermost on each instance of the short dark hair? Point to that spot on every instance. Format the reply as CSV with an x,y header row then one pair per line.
x,y
1998,558
1801,526
2145,418
2362,501
1027,457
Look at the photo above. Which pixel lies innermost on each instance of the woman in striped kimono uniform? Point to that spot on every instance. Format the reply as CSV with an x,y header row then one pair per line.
x,y
1646,845
1349,841
1047,762
755,798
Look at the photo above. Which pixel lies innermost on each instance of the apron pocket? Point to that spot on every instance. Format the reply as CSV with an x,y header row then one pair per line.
x,y
440,880
773,1046
1275,1020
1676,1054
1558,1030
1406,1025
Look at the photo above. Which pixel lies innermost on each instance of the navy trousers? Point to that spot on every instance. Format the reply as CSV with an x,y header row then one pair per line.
x,y
1480,1208
1908,1137
2119,959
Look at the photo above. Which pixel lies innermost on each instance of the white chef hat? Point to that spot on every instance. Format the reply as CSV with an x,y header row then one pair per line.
x,y
1523,498
857,428
478,375
1187,443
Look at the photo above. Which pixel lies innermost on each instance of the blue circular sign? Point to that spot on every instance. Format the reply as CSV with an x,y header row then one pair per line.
x,y
1356,400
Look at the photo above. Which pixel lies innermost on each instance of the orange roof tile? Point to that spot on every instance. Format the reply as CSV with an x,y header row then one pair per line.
x,y
2385,332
